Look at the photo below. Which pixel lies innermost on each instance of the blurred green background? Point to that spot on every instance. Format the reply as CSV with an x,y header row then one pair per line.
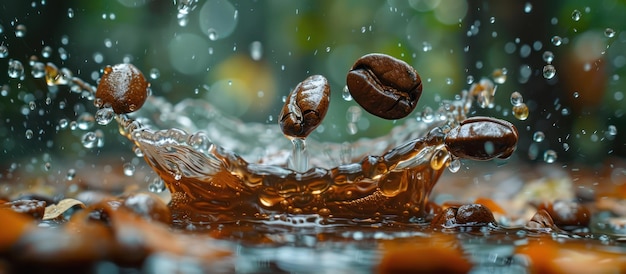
x,y
244,56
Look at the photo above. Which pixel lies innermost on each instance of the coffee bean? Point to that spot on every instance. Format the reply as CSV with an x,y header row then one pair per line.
x,y
482,138
305,107
475,215
565,213
384,86
122,87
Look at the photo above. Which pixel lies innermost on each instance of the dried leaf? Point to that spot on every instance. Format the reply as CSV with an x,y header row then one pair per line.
x,y
54,211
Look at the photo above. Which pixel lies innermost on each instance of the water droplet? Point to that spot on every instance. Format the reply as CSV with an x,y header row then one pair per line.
x,y
426,46
129,169
556,40
520,112
4,51
576,15
565,111
47,166
32,105
549,71
157,185
104,116
70,13
85,121
548,56
212,34
29,134
516,98
63,123
609,32
256,50
55,77
492,20
46,52
345,94
454,166
154,73
71,173
89,140
576,94
428,115
538,136
20,30
470,79
499,75
612,130
38,70
16,69
549,156
528,7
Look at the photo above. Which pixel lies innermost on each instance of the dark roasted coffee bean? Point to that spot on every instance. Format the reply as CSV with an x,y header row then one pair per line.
x,y
482,138
475,215
565,213
305,107
384,86
122,87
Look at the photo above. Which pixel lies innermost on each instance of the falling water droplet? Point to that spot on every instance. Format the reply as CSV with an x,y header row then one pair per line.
x,y
4,51
549,156
576,15
538,136
29,134
612,130
154,73
499,75
15,69
38,70
549,71
516,98
345,94
89,140
157,185
528,7
85,121
455,166
129,169
556,40
104,116
212,34
71,173
20,30
256,50
548,56
609,32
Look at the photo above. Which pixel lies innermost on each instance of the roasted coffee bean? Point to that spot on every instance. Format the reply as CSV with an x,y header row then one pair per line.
x,y
445,219
305,107
474,215
384,86
122,87
482,138
567,213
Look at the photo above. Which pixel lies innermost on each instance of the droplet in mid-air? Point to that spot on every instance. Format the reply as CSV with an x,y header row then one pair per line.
x,y
549,71
499,75
528,7
612,130
104,116
516,98
345,94
256,50
129,169
15,69
576,15
4,51
548,56
89,140
538,136
549,156
556,40
609,32
20,31
520,112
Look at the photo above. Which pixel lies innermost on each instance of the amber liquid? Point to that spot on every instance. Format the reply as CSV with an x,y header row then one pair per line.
x,y
213,184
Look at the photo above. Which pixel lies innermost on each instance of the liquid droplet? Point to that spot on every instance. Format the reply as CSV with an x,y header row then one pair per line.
x,y
89,140
4,51
104,116
454,166
539,136
549,156
612,130
71,173
212,34
38,70
256,50
29,134
20,31
576,15
499,75
528,7
548,56
609,32
345,94
157,185
154,73
520,112
549,71
16,69
556,40
85,121
129,169
516,98
439,159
